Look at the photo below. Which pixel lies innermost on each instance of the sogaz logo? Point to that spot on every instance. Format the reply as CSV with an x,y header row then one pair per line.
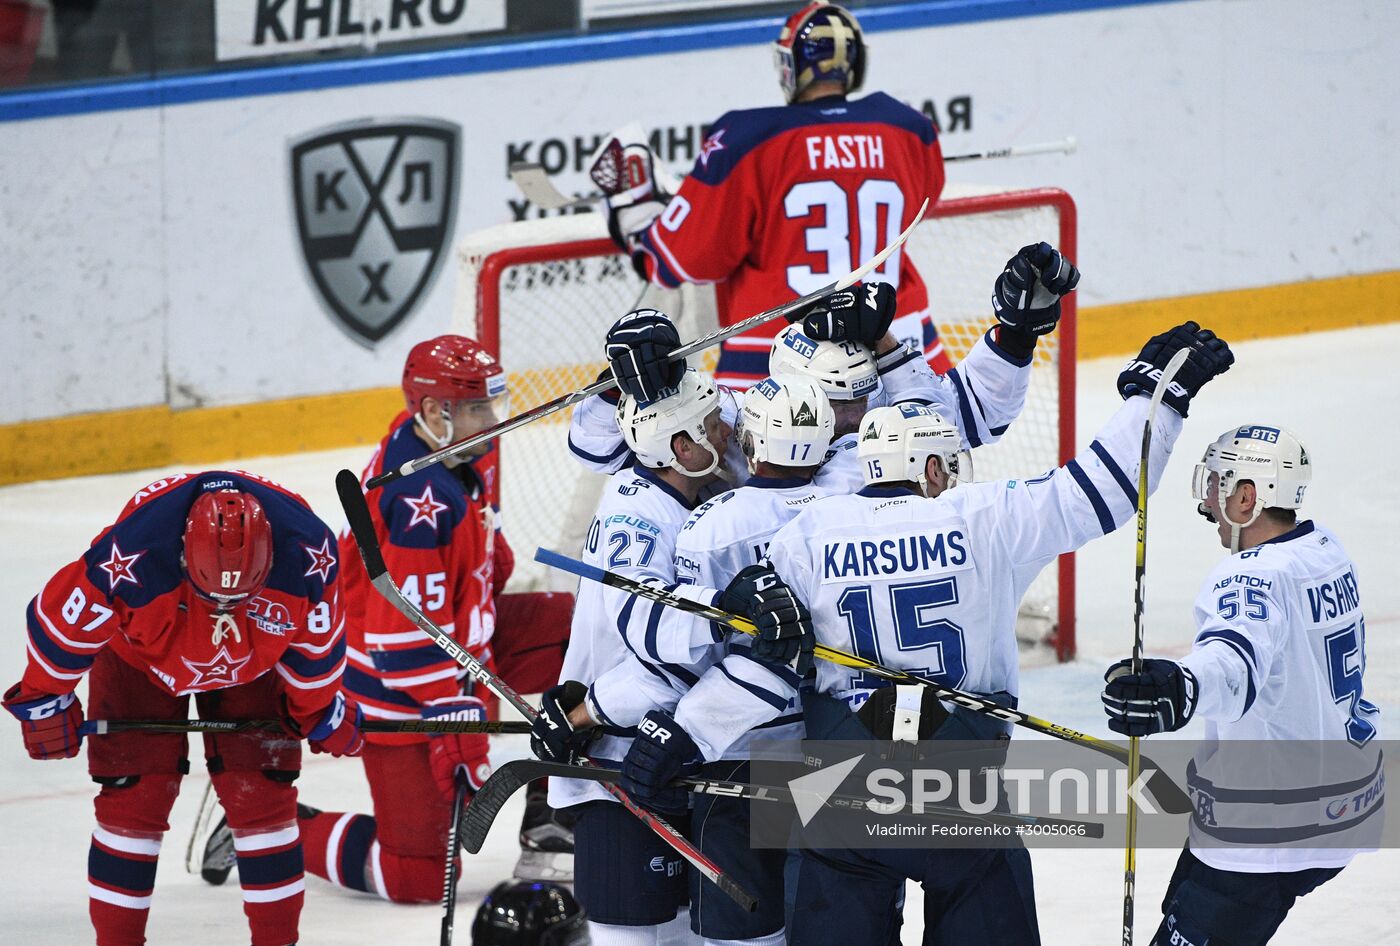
x,y
374,202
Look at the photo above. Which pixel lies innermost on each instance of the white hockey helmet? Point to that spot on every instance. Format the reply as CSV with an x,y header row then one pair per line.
x,y
649,430
786,420
843,370
895,443
1271,458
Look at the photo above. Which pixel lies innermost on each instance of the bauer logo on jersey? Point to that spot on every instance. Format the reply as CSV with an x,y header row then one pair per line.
x,y
374,202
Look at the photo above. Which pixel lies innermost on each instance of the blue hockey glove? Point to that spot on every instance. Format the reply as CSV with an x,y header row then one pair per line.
x,y
661,753
785,634
552,737
1210,356
861,314
1161,698
1026,297
638,350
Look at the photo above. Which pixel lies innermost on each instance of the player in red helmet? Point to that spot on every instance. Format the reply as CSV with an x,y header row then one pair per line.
x,y
441,538
787,198
222,585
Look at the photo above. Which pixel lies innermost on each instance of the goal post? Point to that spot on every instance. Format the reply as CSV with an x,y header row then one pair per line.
x,y
541,294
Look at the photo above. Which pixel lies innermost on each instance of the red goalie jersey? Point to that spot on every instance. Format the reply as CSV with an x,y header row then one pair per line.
x,y
784,200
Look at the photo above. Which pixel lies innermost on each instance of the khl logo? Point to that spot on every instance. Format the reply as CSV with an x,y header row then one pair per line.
x,y
375,202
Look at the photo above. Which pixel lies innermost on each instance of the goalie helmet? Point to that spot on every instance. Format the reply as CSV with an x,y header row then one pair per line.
x,y
649,430
843,370
896,442
451,369
786,420
1271,458
227,551
822,41
520,913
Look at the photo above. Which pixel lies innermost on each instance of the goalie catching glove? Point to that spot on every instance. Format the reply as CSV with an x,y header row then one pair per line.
x,y
785,634
1026,298
624,169
860,314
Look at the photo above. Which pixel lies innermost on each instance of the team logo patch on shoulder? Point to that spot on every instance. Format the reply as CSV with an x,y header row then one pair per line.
x,y
711,145
120,568
425,507
322,560
374,202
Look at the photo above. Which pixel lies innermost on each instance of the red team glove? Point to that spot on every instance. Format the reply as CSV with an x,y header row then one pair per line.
x,y
452,753
50,723
338,731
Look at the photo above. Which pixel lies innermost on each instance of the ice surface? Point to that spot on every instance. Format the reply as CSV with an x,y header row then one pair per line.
x,y
1331,389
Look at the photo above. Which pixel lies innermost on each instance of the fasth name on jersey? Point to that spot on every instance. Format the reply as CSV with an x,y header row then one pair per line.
x,y
908,555
845,151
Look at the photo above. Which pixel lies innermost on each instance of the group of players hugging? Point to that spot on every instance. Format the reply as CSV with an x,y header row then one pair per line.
x,y
801,488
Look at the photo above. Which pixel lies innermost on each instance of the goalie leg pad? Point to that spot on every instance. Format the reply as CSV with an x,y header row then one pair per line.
x,y
261,811
132,818
721,831
624,875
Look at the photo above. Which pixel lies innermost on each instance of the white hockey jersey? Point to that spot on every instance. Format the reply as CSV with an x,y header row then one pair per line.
x,y
1279,655
632,533
933,585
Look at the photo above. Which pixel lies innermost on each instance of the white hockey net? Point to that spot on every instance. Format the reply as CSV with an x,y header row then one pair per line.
x,y
542,294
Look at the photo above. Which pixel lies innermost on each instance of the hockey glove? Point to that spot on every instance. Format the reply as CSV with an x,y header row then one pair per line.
x,y
1210,356
785,634
661,753
452,754
638,349
861,314
625,171
338,730
51,724
1026,297
553,738
1159,699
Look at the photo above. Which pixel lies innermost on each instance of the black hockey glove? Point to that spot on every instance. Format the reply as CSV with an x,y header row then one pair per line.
x,y
661,753
1026,298
552,737
638,349
785,634
1159,699
861,314
1210,356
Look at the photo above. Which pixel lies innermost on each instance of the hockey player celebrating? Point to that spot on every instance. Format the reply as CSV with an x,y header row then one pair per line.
x,y
218,584
772,183
440,539
921,576
1279,655
677,440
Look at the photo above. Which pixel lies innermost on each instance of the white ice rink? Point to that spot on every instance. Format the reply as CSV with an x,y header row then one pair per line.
x,y
1331,389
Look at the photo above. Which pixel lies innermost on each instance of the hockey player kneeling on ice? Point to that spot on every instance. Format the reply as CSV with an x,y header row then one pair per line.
x,y
943,600
1278,655
219,584
519,913
631,883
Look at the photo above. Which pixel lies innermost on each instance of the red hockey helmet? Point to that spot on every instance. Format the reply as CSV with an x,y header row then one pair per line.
x,y
228,546
451,368
822,41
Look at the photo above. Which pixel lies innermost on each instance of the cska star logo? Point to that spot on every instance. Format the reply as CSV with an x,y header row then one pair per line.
x,y
120,568
220,670
322,560
711,145
425,508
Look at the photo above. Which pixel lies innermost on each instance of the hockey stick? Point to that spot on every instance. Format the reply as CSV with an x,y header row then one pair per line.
x,y
449,871
537,187
511,777
347,485
1168,794
680,354
207,803
103,727
1139,591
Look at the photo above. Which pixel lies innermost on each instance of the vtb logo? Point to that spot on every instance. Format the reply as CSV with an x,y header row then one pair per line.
x,y
375,201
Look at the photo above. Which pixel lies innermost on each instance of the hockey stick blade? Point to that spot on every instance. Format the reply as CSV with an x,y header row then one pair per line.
x,y
488,801
1168,794
104,727
362,527
598,387
535,184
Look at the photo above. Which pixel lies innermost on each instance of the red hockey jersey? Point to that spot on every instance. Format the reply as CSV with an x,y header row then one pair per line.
x,y
784,200
437,530
128,592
